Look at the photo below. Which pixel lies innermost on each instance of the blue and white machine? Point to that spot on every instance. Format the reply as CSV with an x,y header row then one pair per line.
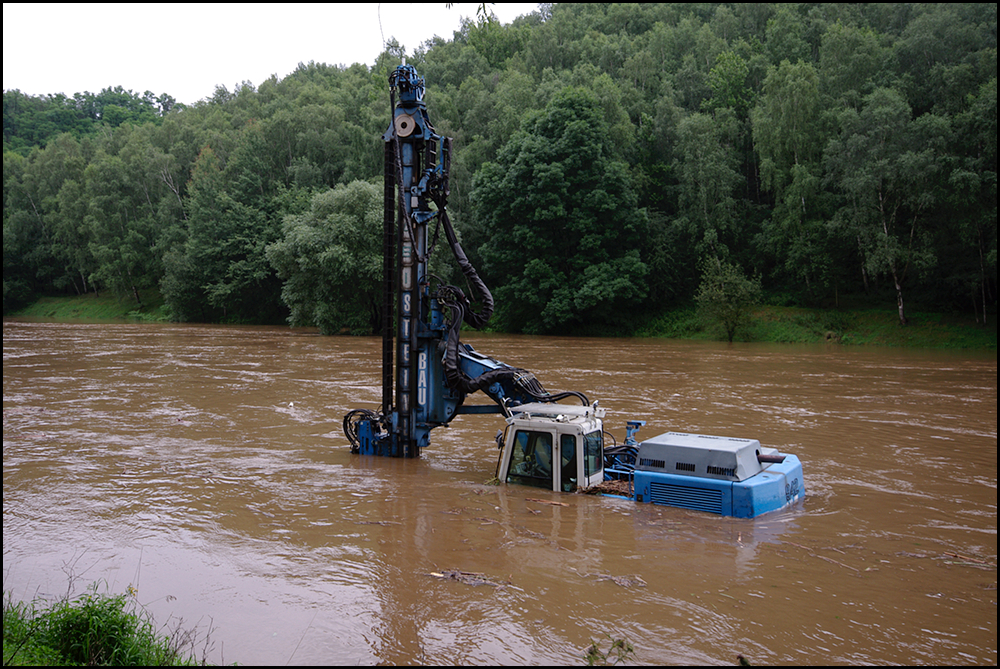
x,y
427,373
723,475
561,448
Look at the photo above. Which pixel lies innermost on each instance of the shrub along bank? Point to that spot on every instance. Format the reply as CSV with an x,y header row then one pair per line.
x,y
791,325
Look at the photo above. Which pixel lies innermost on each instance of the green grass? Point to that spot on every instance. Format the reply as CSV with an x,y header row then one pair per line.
x,y
865,327
794,325
93,629
91,307
677,324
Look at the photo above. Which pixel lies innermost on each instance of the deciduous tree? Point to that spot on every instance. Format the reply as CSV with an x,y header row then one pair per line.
x,y
330,259
888,166
561,222
726,297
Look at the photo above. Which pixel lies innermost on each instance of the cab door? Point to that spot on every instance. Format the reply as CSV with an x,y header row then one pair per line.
x,y
531,461
569,470
593,458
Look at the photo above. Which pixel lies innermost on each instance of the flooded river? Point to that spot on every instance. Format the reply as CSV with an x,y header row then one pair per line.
x,y
206,467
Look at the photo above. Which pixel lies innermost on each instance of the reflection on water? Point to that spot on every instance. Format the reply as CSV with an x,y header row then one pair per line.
x,y
206,465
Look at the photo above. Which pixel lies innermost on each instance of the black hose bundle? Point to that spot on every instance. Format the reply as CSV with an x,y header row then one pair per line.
x,y
353,418
622,457
522,380
475,320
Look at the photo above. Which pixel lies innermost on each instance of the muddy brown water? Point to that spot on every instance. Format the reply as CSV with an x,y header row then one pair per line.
x,y
206,467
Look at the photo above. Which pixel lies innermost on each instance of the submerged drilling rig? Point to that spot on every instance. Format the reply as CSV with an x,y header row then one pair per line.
x,y
427,372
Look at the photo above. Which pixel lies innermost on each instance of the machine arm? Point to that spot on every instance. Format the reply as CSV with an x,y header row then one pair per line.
x,y
467,371
427,371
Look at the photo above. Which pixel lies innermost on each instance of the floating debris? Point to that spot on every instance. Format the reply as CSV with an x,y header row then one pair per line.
x,y
467,577
911,555
530,533
624,581
968,561
622,488
545,501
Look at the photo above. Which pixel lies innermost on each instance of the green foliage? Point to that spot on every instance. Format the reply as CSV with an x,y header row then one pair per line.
x,y
93,629
886,164
851,63
619,650
561,222
706,168
748,132
728,81
221,271
330,260
33,121
726,297
789,135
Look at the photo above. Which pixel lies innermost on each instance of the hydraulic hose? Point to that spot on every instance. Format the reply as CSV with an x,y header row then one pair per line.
x,y
483,294
520,379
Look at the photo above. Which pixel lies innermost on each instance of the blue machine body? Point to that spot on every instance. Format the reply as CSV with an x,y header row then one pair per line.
x,y
774,488
722,475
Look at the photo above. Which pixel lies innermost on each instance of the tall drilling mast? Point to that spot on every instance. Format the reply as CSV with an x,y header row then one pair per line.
x,y
426,371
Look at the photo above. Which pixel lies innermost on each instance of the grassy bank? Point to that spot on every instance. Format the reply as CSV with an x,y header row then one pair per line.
x,y
92,307
93,629
792,325
866,327
874,327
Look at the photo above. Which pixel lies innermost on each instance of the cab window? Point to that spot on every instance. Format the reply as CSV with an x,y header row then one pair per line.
x,y
593,453
531,459
567,445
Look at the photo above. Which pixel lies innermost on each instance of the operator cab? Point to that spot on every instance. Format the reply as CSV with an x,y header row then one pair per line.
x,y
553,446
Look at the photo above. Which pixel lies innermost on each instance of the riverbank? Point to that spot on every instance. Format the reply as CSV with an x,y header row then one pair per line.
x,y
93,629
857,327
788,325
91,307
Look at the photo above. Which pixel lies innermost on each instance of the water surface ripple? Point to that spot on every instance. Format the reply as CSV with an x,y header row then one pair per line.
x,y
206,466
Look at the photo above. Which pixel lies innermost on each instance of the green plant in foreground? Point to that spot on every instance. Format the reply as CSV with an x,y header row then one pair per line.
x,y
93,629
620,650
20,647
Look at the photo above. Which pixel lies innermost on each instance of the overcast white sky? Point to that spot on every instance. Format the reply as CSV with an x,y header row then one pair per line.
x,y
186,50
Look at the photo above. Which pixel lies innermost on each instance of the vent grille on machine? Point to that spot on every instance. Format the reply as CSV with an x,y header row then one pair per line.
x,y
685,497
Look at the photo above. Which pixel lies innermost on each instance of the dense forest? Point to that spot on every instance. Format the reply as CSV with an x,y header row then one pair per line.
x,y
604,156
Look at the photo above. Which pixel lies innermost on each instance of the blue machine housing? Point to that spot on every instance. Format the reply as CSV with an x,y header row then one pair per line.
x,y
771,489
724,475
